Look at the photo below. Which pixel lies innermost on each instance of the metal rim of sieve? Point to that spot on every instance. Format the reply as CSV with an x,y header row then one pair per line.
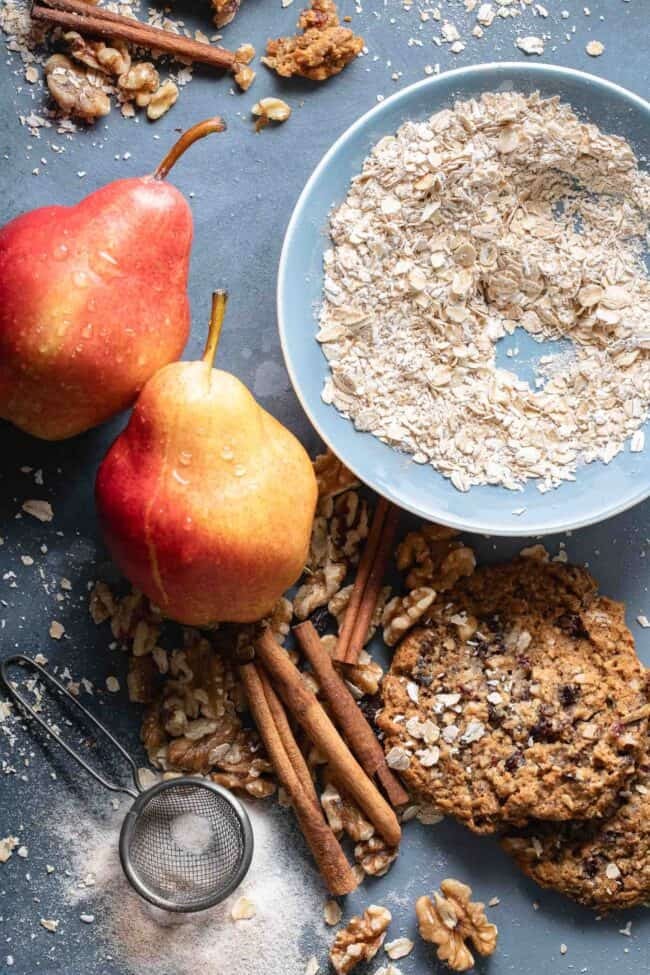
x,y
127,833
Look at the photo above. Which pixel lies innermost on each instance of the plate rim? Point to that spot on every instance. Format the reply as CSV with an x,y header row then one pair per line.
x,y
471,524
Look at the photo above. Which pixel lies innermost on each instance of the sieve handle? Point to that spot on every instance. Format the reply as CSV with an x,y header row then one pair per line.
x,y
22,660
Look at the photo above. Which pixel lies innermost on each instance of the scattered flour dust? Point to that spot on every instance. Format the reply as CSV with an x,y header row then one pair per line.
x,y
192,833
282,884
503,212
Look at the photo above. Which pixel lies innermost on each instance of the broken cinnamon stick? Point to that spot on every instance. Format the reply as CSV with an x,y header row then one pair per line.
x,y
363,572
80,16
326,849
373,587
347,714
308,712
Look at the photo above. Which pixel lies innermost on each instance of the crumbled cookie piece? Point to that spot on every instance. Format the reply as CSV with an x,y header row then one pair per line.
x,y
450,920
511,703
76,89
322,50
603,864
244,75
360,939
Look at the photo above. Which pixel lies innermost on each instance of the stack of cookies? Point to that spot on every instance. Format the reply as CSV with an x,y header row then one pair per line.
x,y
522,709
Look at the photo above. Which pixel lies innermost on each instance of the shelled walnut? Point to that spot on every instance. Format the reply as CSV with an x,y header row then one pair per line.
x,y
403,612
225,11
113,58
360,939
450,919
318,589
76,89
139,82
434,558
332,475
344,816
375,856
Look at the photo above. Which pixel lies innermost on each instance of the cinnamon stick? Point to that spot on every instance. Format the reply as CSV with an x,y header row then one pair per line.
x,y
363,572
372,590
327,852
348,715
80,16
291,746
309,713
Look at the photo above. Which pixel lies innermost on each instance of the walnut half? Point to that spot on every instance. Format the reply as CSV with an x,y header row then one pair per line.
x,y
75,89
450,919
360,939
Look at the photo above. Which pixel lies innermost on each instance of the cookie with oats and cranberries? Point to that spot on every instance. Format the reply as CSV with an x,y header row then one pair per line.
x,y
603,864
521,698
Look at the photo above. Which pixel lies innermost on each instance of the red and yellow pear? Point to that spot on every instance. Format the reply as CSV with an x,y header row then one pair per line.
x,y
206,501
93,300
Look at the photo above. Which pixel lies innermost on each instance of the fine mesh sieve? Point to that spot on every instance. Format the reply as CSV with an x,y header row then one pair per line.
x,y
185,843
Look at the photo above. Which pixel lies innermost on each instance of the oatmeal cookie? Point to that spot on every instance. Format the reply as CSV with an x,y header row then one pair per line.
x,y
604,865
522,697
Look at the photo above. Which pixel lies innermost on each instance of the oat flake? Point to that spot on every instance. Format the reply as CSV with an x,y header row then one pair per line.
x,y
504,211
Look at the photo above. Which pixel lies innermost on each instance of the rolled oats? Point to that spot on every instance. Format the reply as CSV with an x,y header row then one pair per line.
x,y
501,212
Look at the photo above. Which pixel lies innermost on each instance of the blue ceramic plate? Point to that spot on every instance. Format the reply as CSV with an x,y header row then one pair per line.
x,y
600,490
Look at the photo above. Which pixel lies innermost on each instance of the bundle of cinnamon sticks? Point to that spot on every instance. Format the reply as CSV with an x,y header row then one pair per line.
x,y
354,756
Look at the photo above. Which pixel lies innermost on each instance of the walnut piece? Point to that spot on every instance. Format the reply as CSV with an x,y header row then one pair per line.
x,y
142,679
279,620
114,59
375,856
318,589
360,939
344,816
434,558
332,476
76,89
403,612
323,50
450,919
102,603
162,100
348,527
365,676
243,74
225,11
139,83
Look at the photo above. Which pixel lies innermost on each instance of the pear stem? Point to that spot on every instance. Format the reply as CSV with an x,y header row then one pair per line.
x,y
198,131
219,302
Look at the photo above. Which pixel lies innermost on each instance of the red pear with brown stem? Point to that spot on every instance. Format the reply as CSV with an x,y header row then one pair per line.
x,y
93,300
206,501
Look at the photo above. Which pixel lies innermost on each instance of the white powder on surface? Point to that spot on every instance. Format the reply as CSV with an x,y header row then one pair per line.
x,y
282,883
192,833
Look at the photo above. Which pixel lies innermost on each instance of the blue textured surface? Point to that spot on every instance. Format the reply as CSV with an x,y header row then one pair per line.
x,y
600,490
244,188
